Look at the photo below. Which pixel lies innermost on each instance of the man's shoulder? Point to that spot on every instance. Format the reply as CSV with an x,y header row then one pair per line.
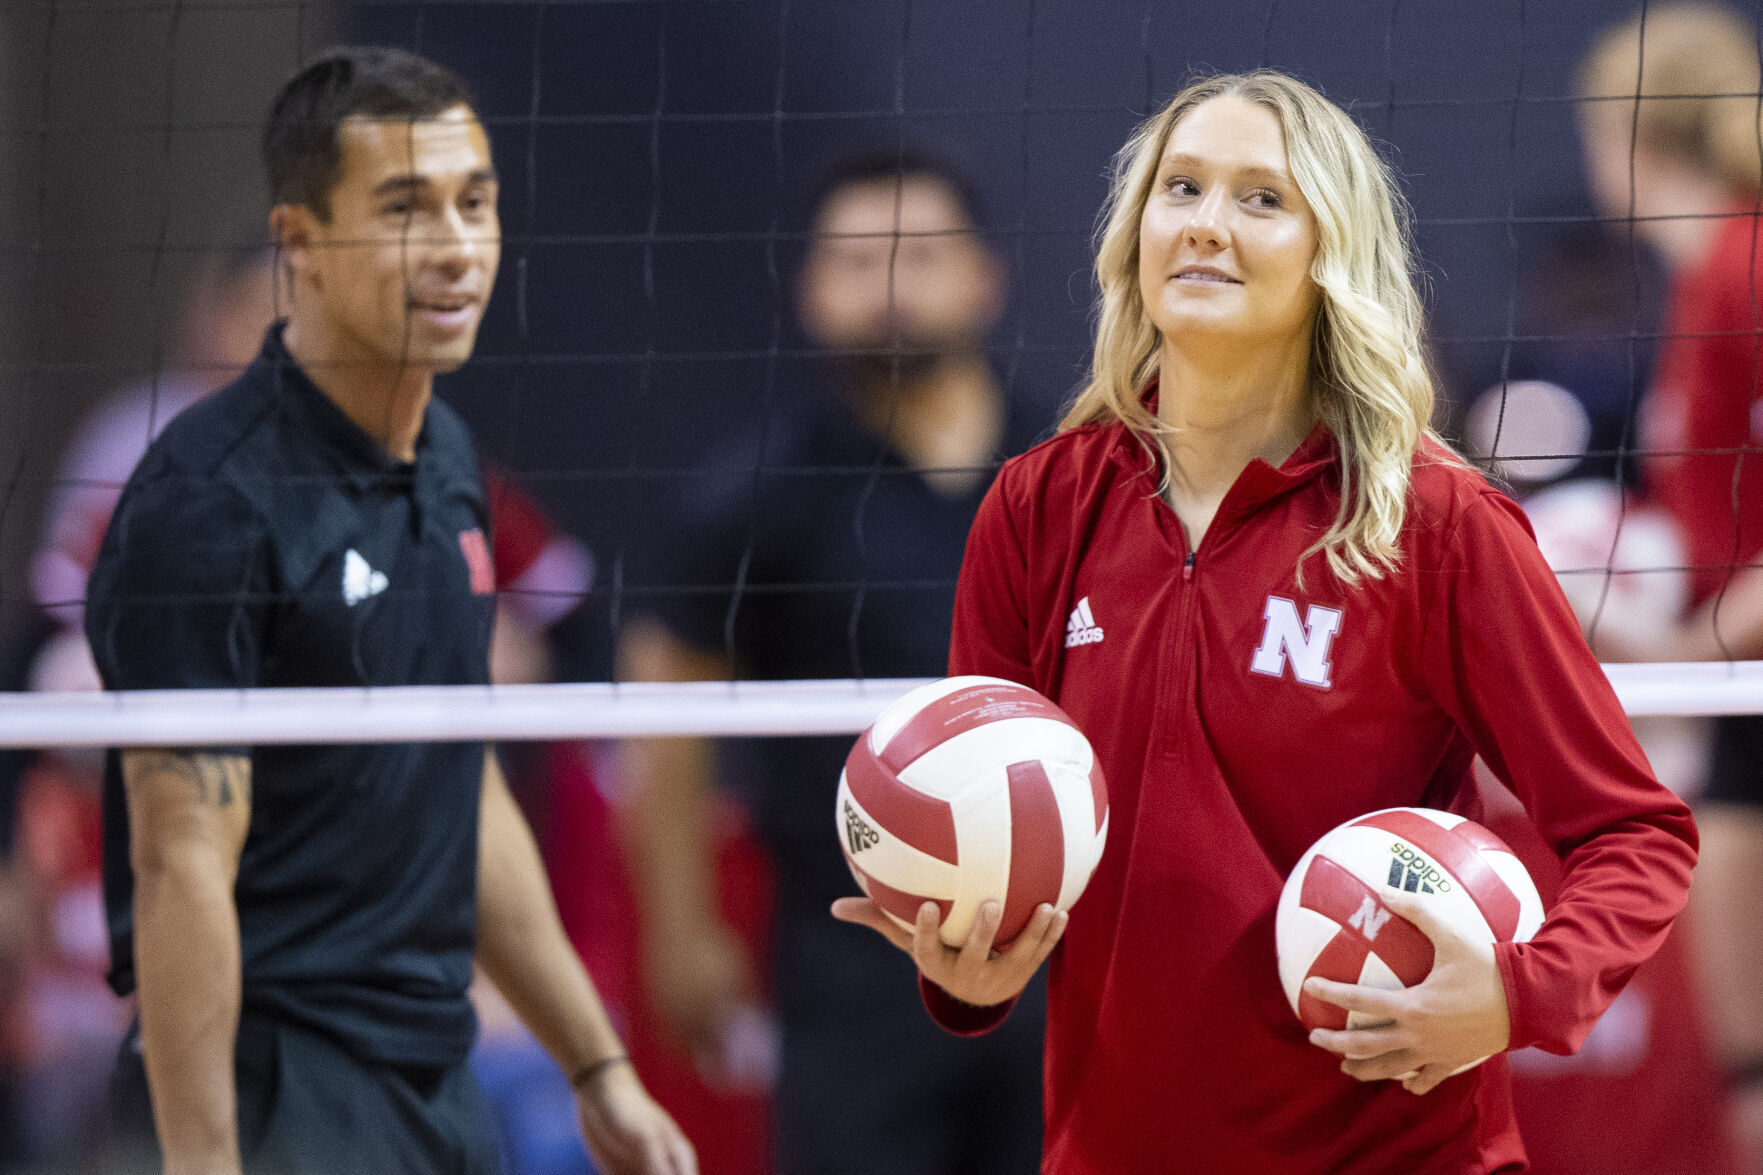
x,y
215,436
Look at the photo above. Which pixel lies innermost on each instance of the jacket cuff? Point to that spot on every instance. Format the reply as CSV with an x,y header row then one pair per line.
x,y
1518,1033
955,1016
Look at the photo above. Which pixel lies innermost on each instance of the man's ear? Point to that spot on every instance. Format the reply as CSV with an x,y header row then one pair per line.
x,y
293,226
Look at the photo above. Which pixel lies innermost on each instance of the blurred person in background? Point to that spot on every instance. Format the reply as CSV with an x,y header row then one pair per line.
x,y
1669,120
825,545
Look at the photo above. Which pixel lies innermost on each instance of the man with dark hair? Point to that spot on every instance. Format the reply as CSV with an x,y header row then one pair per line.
x,y
299,923
827,545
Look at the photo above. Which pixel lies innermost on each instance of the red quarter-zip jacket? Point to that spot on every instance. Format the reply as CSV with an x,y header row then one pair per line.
x,y
1239,714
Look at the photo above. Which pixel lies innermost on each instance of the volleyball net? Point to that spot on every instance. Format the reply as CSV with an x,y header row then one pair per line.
x,y
658,164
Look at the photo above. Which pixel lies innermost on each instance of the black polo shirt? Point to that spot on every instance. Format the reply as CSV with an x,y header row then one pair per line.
x,y
823,554
265,540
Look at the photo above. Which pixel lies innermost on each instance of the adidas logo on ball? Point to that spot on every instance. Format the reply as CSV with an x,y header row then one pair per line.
x,y
859,834
1414,873
969,790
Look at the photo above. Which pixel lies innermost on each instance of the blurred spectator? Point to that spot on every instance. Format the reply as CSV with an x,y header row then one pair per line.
x,y
826,545
1671,137
230,302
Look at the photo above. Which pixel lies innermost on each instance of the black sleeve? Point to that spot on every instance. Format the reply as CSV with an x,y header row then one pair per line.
x,y
687,575
179,593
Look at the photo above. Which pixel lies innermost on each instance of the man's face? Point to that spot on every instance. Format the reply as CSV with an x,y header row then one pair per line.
x,y
896,268
402,270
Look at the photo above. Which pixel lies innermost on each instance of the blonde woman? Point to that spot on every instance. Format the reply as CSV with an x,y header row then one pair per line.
x,y
1308,610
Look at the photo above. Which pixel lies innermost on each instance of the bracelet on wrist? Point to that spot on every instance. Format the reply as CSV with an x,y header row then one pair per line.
x,y
593,1069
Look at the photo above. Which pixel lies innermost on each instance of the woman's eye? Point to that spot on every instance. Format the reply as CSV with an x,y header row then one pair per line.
x,y
1262,198
1181,187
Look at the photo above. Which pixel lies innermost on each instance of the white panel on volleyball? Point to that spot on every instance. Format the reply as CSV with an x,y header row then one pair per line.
x,y
982,844
889,721
1077,820
950,767
1375,973
1308,932
893,862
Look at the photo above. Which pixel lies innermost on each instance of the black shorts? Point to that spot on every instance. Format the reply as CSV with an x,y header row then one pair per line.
x,y
1735,769
308,1107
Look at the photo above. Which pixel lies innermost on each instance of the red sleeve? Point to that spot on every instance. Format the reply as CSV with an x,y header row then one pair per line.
x,y
990,637
1505,658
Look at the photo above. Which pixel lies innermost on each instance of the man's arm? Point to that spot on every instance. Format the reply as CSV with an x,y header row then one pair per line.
x,y
188,815
696,969
523,949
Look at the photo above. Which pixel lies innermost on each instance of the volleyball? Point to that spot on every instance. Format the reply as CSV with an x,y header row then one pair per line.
x,y
967,790
1332,920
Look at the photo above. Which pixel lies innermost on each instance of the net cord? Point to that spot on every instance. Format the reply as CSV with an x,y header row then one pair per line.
x,y
615,710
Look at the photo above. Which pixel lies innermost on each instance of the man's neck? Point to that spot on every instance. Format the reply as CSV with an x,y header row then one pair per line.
x,y
386,401
947,424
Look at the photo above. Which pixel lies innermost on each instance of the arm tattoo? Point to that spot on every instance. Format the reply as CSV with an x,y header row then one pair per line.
x,y
220,780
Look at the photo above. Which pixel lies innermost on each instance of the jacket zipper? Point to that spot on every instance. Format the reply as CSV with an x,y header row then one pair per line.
x,y
1184,639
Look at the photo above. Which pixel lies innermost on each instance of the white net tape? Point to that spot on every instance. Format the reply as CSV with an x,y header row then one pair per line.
x,y
632,710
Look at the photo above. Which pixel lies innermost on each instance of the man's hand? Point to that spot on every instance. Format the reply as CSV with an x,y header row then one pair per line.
x,y
974,974
626,1131
1453,1018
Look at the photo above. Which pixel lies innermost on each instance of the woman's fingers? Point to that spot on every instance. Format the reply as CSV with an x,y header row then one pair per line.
x,y
972,972
927,948
978,947
863,912
1375,1002
1382,1068
1359,1044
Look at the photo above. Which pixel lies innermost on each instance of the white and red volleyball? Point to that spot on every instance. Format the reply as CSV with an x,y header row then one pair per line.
x,y
967,790
1333,922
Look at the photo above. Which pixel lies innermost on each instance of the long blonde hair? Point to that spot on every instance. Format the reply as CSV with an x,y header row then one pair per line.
x,y
1368,378
1688,78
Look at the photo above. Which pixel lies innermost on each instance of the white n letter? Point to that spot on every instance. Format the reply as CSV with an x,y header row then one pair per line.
x,y
1306,644
1369,917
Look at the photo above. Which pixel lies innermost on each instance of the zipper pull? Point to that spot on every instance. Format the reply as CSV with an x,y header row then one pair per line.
x,y
1187,569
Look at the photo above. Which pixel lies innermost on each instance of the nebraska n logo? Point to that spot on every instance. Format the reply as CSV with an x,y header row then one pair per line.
x,y
1369,918
1305,645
